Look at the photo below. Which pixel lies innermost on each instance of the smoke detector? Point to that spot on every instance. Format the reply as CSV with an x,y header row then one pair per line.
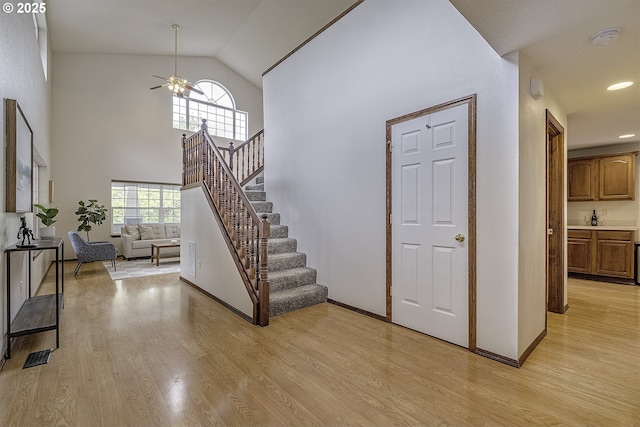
x,y
605,37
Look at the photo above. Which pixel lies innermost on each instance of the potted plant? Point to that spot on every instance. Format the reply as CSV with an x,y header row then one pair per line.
x,y
90,213
47,216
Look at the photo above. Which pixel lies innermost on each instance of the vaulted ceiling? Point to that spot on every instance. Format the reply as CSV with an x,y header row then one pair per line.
x,y
251,35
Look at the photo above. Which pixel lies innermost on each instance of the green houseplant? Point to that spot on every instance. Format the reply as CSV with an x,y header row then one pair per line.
x,y
47,216
90,213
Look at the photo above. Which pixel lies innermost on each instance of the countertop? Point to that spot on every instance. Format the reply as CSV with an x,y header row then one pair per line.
x,y
603,227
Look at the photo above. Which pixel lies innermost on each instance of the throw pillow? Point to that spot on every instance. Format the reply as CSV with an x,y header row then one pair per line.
x,y
158,231
173,231
146,232
134,231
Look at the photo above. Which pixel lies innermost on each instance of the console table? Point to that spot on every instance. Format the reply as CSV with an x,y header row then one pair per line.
x,y
41,312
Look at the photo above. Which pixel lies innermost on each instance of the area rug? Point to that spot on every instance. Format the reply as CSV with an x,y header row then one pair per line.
x,y
141,267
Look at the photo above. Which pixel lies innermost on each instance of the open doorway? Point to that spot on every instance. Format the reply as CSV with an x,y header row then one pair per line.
x,y
555,216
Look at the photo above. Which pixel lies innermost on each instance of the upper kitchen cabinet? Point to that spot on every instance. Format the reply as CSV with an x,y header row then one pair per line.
x,y
601,178
582,179
617,178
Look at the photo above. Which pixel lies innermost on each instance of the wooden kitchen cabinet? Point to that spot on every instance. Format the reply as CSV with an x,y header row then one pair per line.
x,y
601,178
614,254
579,251
581,179
601,252
617,178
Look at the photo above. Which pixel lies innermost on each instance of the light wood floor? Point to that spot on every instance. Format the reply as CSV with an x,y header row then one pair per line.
x,y
154,351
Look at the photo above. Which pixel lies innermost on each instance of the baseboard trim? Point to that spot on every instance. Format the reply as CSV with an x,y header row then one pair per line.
x,y
219,301
497,357
607,279
531,347
357,310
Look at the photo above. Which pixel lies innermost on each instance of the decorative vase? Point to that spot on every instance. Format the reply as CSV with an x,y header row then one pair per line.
x,y
47,233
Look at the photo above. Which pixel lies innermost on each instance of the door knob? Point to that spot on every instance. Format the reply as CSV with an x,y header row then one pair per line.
x,y
460,237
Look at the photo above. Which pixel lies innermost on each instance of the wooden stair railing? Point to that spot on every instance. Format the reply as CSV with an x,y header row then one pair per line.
x,y
247,159
245,232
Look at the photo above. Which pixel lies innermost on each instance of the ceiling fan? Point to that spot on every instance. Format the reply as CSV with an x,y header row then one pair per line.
x,y
175,83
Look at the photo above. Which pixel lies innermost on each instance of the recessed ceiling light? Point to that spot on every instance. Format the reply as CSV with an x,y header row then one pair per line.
x,y
620,85
628,135
605,37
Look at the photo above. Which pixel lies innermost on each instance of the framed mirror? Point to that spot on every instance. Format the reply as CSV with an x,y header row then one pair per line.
x,y
19,159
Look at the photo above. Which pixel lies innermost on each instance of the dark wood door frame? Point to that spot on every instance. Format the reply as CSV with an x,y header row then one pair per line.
x,y
555,215
471,240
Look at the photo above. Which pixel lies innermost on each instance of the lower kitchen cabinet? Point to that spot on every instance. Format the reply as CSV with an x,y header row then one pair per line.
x,y
602,253
614,254
579,249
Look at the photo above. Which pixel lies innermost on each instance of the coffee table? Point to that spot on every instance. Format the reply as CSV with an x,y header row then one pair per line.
x,y
155,247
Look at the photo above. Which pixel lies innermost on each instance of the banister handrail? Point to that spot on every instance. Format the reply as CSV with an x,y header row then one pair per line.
x,y
260,132
247,159
245,232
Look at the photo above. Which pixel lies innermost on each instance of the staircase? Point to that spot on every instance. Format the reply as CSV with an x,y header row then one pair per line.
x,y
292,284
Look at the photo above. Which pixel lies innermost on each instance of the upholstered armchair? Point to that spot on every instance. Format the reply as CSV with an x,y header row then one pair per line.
x,y
92,251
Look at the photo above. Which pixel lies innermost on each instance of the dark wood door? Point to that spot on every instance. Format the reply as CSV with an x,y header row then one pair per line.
x,y
555,216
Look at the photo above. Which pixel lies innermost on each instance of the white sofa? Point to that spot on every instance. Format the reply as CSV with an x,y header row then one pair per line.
x,y
136,239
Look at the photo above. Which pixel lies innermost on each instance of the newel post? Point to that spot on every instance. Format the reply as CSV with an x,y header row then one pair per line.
x,y
204,128
263,279
231,151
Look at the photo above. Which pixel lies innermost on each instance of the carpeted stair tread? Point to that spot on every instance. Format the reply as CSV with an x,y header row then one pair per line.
x,y
279,231
256,196
291,278
272,217
263,207
292,285
287,300
283,245
277,262
256,187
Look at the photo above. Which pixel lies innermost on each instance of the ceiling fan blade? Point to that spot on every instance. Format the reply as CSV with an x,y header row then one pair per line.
x,y
179,95
193,89
156,87
163,78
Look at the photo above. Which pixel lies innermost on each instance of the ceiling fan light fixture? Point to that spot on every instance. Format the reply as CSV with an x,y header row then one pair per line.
x,y
177,85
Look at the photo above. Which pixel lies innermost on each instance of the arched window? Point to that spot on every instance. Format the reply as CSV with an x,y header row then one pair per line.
x,y
216,105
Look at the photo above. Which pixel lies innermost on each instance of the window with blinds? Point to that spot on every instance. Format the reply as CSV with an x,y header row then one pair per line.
x,y
143,202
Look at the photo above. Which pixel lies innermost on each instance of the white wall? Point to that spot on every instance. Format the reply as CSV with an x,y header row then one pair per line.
x,y
107,125
215,270
22,79
532,206
325,113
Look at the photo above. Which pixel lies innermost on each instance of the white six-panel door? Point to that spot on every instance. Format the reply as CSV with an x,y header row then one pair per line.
x,y
429,226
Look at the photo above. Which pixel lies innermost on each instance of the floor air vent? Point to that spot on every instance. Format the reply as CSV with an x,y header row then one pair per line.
x,y
37,358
